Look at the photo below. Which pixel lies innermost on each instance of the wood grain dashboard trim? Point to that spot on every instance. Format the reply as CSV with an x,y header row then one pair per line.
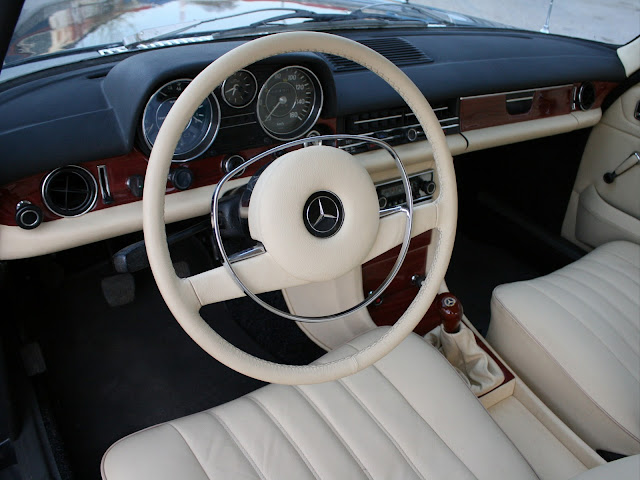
x,y
483,111
206,171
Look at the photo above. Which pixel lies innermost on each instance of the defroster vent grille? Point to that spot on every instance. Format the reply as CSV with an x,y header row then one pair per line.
x,y
397,50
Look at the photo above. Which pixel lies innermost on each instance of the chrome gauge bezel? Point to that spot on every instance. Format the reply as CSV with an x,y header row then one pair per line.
x,y
207,140
309,122
255,93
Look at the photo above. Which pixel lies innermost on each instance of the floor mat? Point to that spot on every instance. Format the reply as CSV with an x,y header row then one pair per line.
x,y
113,371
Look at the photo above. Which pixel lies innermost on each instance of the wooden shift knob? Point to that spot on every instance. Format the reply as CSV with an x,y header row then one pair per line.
x,y
450,311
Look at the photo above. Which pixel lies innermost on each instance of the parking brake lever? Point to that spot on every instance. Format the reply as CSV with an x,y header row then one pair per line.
x,y
628,163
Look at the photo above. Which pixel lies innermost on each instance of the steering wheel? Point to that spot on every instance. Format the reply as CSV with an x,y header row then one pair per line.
x,y
276,216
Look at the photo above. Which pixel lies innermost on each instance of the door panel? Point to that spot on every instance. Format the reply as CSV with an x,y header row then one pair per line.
x,y
598,211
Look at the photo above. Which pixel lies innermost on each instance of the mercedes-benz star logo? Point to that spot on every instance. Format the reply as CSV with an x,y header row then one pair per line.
x,y
323,214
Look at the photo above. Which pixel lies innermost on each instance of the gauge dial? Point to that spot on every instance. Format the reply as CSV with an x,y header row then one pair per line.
x,y
199,133
239,89
289,103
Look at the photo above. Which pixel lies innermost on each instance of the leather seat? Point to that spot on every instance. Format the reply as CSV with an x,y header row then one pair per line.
x,y
574,337
408,416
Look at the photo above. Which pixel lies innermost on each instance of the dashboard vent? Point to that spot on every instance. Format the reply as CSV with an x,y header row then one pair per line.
x,y
585,96
69,191
397,50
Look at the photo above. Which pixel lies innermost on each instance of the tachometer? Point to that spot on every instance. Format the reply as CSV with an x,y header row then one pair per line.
x,y
199,133
289,103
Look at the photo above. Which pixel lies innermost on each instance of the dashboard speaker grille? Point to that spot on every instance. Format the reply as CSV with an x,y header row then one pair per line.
x,y
397,50
69,191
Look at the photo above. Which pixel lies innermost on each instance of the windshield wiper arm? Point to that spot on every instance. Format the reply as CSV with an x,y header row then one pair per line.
x,y
421,9
153,34
159,33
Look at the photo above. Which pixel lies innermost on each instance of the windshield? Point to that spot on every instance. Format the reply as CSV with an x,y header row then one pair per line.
x,y
49,27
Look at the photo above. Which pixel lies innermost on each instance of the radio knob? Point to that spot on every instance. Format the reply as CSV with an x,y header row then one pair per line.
x,y
28,216
430,187
382,202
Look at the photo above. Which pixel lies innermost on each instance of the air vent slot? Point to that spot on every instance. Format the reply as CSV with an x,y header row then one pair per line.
x,y
397,50
69,191
397,126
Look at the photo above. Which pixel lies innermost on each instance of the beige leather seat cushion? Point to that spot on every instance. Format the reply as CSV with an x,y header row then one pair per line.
x,y
408,416
574,337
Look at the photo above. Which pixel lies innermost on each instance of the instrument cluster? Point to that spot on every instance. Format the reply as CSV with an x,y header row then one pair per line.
x,y
282,103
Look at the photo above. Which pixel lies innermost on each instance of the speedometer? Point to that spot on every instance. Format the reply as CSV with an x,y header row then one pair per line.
x,y
289,103
199,133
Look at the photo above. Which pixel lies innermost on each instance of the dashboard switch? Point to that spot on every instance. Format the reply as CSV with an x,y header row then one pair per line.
x,y
181,178
28,215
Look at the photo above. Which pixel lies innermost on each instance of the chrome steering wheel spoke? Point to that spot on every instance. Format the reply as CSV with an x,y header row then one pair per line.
x,y
259,249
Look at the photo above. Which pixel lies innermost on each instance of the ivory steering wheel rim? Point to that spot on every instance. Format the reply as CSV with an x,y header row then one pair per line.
x,y
184,298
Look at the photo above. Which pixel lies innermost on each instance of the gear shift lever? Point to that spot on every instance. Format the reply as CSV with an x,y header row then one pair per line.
x,y
458,344
450,311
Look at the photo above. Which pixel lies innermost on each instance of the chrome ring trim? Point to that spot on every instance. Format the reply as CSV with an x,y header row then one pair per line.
x,y
406,210
47,179
318,85
581,89
254,93
29,224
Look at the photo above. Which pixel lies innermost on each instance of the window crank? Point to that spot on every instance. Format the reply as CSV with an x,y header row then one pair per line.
x,y
628,163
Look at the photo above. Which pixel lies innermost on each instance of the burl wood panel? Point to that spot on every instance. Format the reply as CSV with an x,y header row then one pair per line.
x,y
491,110
401,292
207,171
602,90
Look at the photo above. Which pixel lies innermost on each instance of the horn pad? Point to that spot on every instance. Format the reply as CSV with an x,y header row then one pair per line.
x,y
316,212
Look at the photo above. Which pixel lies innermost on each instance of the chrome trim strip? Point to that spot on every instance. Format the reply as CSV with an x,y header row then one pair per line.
x,y
238,125
105,190
247,253
439,109
528,90
450,119
520,99
379,119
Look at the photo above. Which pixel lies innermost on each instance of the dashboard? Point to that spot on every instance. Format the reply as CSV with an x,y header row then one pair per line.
x,y
76,142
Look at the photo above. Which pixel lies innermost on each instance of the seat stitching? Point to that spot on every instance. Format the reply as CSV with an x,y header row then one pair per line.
x,y
238,444
542,280
610,266
332,428
626,260
561,367
588,272
381,427
284,433
190,449
604,298
421,417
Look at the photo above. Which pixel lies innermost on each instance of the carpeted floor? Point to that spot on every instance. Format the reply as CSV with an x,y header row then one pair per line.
x,y
113,371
